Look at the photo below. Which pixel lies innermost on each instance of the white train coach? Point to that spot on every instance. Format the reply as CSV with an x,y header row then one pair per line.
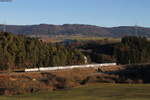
x,y
68,67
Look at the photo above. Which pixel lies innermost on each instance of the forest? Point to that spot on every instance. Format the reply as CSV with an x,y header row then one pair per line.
x,y
133,50
130,50
18,51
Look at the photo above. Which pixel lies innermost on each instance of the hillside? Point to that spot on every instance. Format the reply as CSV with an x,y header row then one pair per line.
x,y
76,29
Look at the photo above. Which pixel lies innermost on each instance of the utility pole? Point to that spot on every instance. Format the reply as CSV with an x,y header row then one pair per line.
x,y
4,27
136,30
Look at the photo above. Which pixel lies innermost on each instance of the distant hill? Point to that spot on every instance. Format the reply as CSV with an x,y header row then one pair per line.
x,y
76,29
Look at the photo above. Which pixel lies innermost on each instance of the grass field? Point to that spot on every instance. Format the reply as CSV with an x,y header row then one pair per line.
x,y
79,38
92,92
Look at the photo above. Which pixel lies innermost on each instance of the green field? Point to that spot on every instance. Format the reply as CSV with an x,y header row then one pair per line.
x,y
92,92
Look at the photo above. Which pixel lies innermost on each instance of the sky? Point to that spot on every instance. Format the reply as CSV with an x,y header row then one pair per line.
x,y
106,13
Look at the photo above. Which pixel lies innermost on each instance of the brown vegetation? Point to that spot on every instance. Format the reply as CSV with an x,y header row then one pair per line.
x,y
21,83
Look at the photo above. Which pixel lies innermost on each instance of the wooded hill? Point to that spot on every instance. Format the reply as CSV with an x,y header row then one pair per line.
x,y
18,51
131,50
77,29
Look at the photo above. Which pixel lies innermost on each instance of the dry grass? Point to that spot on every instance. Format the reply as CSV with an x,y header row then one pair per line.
x,y
21,83
79,38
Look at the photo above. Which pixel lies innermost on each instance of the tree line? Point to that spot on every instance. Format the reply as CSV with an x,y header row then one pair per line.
x,y
130,50
133,50
17,51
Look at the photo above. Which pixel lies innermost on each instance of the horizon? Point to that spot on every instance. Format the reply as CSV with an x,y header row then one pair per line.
x,y
72,24
103,13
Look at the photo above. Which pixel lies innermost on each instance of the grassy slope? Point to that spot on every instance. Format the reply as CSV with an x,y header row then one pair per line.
x,y
92,92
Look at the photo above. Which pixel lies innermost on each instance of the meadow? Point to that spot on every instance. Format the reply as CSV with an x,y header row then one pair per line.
x,y
80,38
92,92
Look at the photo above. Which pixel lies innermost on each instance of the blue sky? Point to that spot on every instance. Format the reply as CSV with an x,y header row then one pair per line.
x,y
95,12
